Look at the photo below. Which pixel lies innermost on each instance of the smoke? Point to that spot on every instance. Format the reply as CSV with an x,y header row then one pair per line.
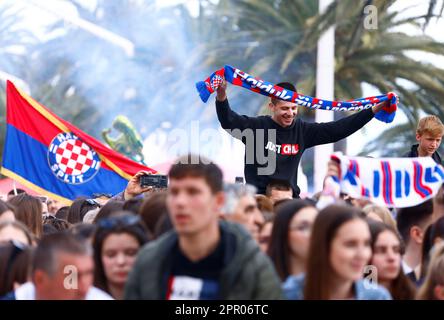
x,y
132,58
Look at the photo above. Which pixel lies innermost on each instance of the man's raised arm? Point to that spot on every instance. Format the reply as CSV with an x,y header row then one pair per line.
x,y
328,132
227,117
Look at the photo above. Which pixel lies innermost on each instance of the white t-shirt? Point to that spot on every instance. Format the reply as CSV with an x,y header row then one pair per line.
x,y
405,267
27,292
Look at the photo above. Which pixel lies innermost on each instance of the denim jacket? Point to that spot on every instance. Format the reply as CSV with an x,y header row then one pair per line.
x,y
293,289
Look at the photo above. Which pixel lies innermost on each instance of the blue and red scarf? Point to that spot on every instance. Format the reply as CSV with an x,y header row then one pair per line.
x,y
243,79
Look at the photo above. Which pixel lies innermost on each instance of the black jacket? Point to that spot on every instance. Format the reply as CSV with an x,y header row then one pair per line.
x,y
289,144
248,273
413,153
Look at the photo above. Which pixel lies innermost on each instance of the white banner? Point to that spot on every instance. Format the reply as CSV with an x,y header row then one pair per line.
x,y
390,182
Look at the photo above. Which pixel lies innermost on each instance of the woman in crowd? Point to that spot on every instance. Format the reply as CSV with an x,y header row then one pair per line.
x,y
378,213
290,237
433,287
116,243
80,208
28,210
338,252
387,255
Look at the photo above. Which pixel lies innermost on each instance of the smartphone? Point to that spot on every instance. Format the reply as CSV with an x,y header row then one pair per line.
x,y
154,180
239,180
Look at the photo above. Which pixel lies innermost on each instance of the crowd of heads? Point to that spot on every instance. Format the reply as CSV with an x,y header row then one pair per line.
x,y
334,250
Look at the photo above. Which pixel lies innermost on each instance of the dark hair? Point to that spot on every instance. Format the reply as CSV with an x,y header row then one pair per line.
x,y
110,207
51,245
120,222
83,230
19,191
197,166
15,265
20,226
152,209
401,288
62,213
277,184
79,208
434,231
406,218
278,247
29,211
319,271
279,202
284,85
58,224
133,205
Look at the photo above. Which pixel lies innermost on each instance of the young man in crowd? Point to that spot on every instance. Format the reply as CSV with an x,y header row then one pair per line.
x,y
203,257
278,190
268,157
429,135
412,223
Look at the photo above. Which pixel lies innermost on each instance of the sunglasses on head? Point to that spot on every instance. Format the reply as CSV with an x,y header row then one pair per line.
x,y
121,221
92,202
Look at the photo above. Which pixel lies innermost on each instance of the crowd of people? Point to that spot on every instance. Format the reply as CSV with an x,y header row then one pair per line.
x,y
201,238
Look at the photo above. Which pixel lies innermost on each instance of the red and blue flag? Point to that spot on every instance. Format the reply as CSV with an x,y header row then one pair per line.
x,y
55,158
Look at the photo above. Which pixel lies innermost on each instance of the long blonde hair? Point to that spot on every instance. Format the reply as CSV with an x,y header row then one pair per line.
x,y
435,274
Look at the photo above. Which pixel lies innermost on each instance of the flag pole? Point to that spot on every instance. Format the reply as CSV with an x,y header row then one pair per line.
x,y
14,187
324,89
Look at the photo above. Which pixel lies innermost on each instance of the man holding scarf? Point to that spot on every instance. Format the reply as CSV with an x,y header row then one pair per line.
x,y
284,135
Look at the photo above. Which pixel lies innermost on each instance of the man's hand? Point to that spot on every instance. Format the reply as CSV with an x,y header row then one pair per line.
x,y
222,91
133,188
381,105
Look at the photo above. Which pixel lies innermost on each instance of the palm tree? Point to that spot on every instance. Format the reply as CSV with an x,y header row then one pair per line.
x,y
156,82
280,37
430,12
